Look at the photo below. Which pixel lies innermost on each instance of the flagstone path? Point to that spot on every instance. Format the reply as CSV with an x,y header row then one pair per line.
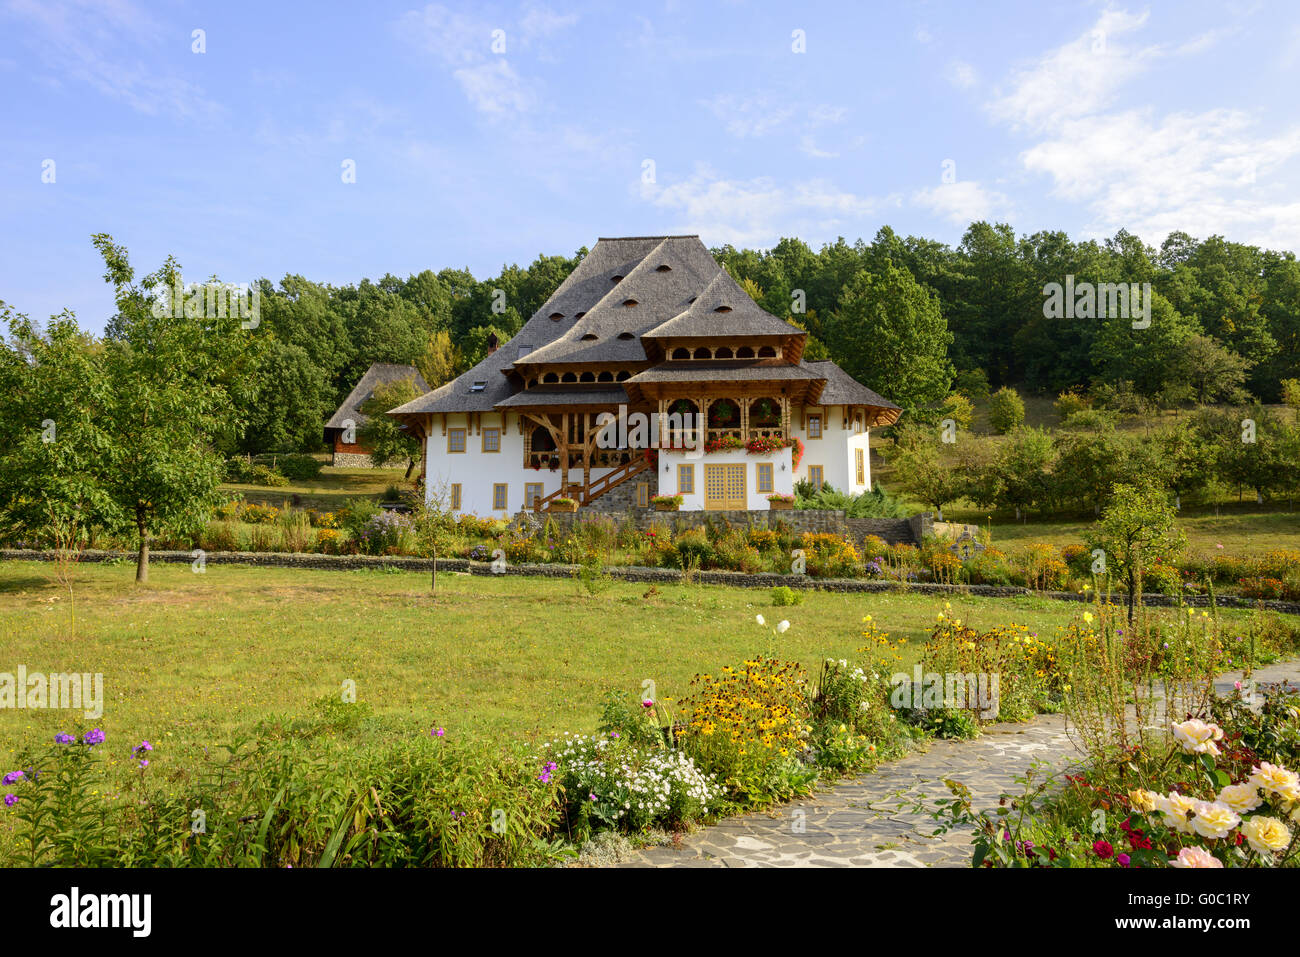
x,y
868,822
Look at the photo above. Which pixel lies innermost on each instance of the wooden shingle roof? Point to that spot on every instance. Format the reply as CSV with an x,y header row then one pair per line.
x,y
625,296
380,373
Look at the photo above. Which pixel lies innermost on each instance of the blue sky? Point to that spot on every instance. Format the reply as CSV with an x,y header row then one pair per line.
x,y
1080,116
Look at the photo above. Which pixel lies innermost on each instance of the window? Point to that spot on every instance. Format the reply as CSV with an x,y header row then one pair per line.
x,y
524,350
764,476
455,497
722,309
455,440
532,492
815,426
815,476
499,496
686,480
491,440
478,386
860,466
643,495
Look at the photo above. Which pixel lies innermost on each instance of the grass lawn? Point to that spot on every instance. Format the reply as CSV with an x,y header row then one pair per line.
x,y
326,492
190,660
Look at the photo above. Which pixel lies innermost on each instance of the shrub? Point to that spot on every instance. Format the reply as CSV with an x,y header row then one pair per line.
x,y
829,556
387,533
784,596
220,535
691,548
263,475
609,783
299,467
355,513
1070,402
1006,410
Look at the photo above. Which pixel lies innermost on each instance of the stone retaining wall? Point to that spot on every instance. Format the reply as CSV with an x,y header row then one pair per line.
x,y
636,574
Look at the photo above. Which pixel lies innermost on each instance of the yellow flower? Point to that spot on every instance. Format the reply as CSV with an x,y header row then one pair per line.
x,y
1144,800
1267,835
1240,797
1087,616
1214,821
1197,737
1277,780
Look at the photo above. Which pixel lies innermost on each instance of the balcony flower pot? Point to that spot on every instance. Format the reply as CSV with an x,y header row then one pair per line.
x,y
666,503
562,505
780,503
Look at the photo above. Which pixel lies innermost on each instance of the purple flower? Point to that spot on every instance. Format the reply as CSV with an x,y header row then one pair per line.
x,y
13,776
647,703
144,763
11,800
437,732
592,796
64,739
142,746
94,737
613,734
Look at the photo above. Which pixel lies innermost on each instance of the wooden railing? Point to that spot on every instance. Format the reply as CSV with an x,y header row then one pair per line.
x,y
585,495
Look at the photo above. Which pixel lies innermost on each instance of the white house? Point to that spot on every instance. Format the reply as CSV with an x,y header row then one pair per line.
x,y
651,365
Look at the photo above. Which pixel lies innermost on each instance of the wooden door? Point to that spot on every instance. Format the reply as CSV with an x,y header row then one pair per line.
x,y
724,486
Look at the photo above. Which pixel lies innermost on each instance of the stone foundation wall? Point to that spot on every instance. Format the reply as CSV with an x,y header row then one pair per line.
x,y
351,460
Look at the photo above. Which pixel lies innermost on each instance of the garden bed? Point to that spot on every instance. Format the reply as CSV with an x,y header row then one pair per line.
x,y
644,574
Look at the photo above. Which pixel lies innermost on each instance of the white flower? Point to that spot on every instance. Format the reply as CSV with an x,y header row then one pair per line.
x,y
781,627
759,619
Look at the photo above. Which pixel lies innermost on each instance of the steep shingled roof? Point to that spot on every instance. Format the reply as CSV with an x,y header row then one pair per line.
x,y
625,290
380,373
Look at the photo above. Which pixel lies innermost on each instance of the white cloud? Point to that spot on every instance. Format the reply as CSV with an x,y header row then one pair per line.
x,y
494,88
961,74
464,46
962,203
1205,172
1078,78
757,212
100,44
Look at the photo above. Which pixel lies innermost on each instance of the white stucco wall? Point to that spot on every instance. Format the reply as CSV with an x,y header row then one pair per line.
x,y
477,471
834,451
782,475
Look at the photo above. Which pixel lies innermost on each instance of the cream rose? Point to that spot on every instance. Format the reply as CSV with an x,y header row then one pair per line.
x,y
1143,800
1214,821
1267,835
1241,797
1277,780
1195,857
1175,808
1198,737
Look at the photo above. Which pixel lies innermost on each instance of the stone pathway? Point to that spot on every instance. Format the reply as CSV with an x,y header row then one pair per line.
x,y
868,822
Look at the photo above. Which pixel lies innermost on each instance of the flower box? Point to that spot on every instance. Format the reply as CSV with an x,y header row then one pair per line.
x,y
780,503
666,503
562,505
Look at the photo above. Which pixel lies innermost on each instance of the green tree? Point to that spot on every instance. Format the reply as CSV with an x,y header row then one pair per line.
x,y
1006,410
1023,469
387,439
927,478
1137,528
173,389
889,333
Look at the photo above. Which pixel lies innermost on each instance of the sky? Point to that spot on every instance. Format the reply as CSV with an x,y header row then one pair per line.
x,y
342,140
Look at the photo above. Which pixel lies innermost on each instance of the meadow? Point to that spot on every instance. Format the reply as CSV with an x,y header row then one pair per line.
x,y
192,659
